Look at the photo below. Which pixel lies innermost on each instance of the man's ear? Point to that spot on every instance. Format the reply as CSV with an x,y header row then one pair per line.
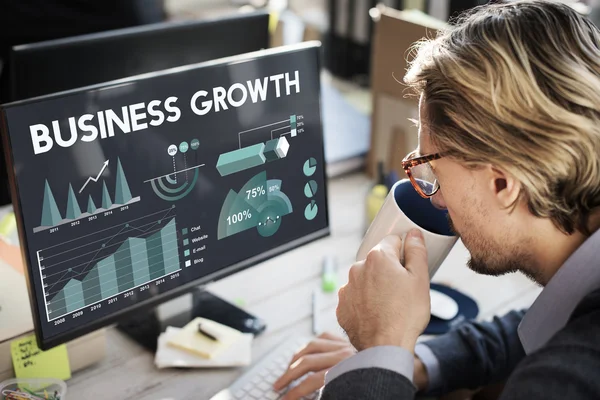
x,y
505,187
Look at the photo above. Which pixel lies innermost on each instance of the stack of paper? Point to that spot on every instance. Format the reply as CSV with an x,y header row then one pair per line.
x,y
187,348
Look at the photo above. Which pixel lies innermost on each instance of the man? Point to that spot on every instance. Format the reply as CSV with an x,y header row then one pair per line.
x,y
509,139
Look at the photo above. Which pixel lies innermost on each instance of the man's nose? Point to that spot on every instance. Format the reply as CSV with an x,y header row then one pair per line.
x,y
438,200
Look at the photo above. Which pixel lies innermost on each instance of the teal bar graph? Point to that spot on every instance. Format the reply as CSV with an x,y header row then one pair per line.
x,y
241,159
134,263
91,287
74,295
170,248
107,274
57,306
155,256
139,261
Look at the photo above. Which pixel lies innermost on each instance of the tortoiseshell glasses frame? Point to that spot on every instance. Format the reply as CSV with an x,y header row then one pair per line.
x,y
410,161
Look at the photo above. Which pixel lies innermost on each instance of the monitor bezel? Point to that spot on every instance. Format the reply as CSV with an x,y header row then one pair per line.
x,y
109,320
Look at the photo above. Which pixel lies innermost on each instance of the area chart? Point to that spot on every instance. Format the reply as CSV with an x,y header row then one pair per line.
x,y
53,217
102,265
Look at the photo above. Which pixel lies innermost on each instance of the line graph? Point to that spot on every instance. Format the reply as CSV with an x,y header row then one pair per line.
x,y
92,179
104,264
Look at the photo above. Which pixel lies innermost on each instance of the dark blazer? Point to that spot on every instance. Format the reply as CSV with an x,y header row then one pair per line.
x,y
567,367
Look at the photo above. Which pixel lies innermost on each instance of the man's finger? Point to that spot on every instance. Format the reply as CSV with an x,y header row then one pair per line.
x,y
331,336
415,253
319,346
391,244
311,384
306,364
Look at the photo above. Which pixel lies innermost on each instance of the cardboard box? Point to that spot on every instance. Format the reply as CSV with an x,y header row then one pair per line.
x,y
395,33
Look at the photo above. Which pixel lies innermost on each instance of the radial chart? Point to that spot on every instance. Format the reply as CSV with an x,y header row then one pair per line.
x,y
259,204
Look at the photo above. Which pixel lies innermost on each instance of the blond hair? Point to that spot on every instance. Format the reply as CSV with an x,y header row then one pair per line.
x,y
518,85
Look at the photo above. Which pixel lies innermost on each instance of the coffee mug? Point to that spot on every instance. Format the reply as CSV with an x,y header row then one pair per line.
x,y
403,210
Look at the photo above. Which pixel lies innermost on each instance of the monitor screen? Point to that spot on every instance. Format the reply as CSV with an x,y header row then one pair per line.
x,y
63,64
131,192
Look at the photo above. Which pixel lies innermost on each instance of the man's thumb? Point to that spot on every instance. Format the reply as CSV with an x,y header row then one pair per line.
x,y
415,254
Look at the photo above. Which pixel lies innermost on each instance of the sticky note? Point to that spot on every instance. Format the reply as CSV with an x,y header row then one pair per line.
x,y
8,224
31,362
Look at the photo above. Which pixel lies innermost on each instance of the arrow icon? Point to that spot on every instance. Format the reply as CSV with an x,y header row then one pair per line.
x,y
96,178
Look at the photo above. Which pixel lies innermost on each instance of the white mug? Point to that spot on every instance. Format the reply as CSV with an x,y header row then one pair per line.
x,y
403,210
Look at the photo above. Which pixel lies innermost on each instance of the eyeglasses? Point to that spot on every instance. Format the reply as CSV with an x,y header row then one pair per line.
x,y
421,173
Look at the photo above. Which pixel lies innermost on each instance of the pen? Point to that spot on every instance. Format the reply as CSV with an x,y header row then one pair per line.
x,y
315,312
204,332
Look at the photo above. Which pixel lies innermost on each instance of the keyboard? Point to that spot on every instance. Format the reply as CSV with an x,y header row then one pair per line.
x,y
257,382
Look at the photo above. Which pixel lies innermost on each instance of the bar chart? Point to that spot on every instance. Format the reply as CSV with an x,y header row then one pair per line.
x,y
268,143
102,265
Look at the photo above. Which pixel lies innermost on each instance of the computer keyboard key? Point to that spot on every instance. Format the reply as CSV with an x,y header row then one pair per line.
x,y
272,396
257,383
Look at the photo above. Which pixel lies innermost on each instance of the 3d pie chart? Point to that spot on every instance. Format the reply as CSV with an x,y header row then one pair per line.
x,y
310,166
310,189
311,210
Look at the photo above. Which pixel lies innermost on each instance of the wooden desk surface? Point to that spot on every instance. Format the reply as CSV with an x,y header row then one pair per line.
x,y
281,294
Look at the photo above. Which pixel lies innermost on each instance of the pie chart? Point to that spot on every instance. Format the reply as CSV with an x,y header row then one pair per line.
x,y
311,210
310,189
310,166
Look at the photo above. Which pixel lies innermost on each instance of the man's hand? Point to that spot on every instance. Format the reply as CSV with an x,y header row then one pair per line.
x,y
385,303
316,358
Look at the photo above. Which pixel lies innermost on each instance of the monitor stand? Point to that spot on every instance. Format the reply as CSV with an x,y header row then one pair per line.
x,y
145,327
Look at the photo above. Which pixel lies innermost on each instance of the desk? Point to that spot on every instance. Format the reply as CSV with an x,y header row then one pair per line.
x,y
281,294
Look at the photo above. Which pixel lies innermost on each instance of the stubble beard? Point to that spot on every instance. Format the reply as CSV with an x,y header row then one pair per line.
x,y
488,258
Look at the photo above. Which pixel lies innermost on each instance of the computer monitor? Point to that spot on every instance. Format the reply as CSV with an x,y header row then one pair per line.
x,y
57,65
63,64
182,177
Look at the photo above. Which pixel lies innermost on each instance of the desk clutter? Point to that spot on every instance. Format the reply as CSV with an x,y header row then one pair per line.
x,y
33,389
203,343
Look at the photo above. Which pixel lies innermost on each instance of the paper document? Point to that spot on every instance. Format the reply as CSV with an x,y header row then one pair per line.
x,y
238,354
190,340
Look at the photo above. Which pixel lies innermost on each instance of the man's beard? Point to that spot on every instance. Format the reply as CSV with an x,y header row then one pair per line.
x,y
485,260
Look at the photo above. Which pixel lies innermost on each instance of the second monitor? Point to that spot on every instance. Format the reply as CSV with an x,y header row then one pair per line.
x,y
63,64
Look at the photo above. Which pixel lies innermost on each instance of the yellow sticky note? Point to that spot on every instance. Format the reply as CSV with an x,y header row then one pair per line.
x,y
31,362
273,21
8,224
